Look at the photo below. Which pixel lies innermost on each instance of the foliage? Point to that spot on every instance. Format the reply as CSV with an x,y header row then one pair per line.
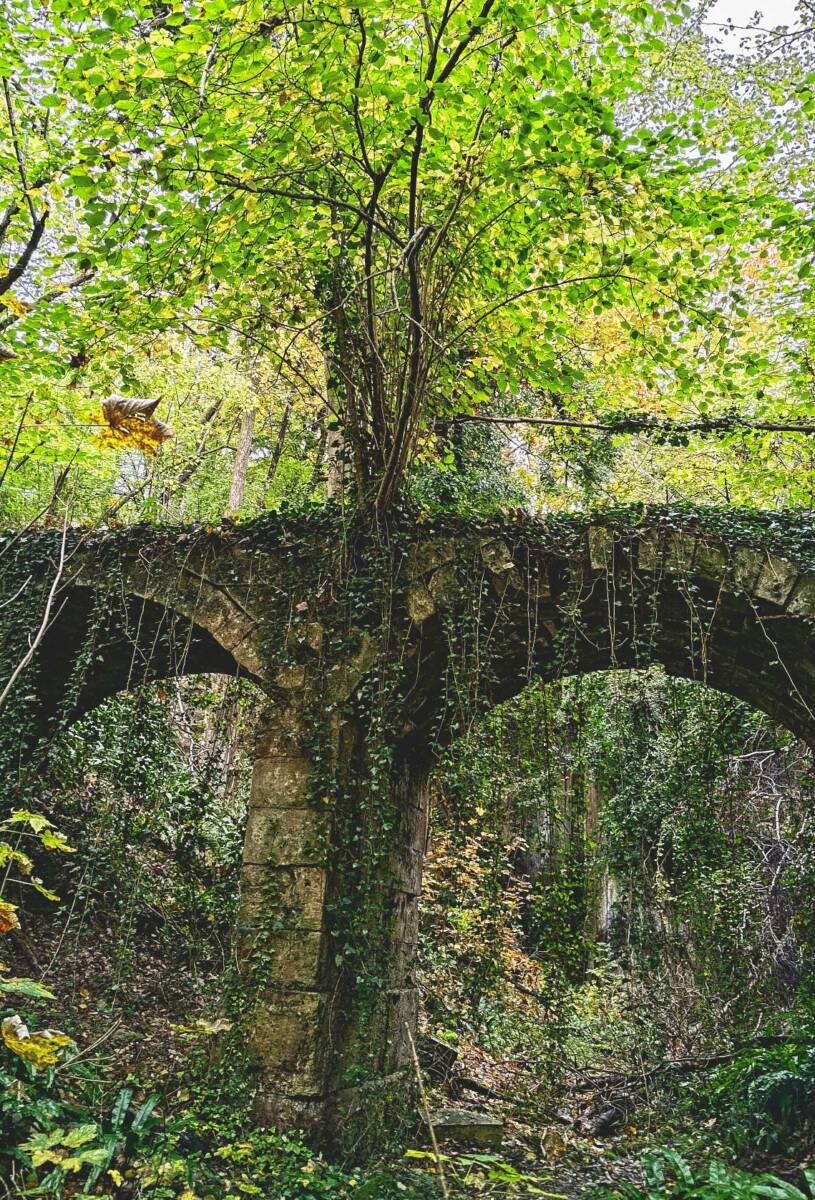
x,y
669,1174
40,1049
479,983
333,248
479,1173
665,754
764,1100
457,211
154,798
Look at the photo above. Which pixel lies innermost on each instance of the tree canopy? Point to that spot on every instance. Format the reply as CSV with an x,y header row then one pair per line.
x,y
416,214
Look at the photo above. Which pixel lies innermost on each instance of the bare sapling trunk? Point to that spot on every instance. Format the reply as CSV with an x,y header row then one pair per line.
x,y
241,466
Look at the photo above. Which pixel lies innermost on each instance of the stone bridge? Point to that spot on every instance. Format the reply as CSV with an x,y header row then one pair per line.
x,y
372,647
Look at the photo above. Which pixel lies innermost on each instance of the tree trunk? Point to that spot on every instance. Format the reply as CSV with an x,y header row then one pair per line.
x,y
277,453
240,468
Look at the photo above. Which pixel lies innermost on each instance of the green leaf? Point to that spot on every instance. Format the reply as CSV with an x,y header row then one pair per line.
x,y
80,1135
26,987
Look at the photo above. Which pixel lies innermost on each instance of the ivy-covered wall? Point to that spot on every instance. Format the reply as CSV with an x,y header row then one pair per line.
x,y
376,645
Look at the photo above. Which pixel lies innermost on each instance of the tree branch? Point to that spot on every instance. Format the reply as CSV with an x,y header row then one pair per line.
x,y
18,149
11,277
621,425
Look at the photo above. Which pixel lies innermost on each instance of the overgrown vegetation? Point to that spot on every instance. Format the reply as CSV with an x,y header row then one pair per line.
x,y
563,1002
296,300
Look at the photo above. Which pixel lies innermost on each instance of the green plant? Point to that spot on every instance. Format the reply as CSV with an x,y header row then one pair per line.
x,y
66,1151
72,1150
668,1174
765,1099
484,1174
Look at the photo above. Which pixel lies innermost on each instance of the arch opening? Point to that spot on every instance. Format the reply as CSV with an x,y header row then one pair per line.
x,y
630,853
101,643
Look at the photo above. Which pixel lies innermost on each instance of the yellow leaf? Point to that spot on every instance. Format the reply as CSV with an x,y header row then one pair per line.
x,y
55,841
41,1049
14,305
117,1177
8,917
52,1154
131,425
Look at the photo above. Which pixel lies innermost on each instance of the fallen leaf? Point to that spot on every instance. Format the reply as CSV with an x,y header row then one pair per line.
x,y
41,1049
8,917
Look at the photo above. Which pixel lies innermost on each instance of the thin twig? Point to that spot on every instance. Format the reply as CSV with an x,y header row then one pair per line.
x,y
40,634
427,1115
17,434
88,1049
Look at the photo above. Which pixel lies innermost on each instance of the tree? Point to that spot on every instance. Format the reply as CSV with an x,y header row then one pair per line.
x,y
434,196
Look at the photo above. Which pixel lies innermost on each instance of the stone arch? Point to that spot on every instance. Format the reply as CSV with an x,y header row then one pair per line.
x,y
735,616
93,649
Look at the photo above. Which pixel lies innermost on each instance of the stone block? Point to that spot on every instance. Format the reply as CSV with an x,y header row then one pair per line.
x,y
282,735
443,584
285,836
466,1127
509,579
286,958
777,579
420,603
291,676
344,676
711,561
313,636
294,958
496,556
802,603
747,566
680,549
287,1035
237,632
280,782
436,1058
295,896
428,556
272,1110
402,1014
